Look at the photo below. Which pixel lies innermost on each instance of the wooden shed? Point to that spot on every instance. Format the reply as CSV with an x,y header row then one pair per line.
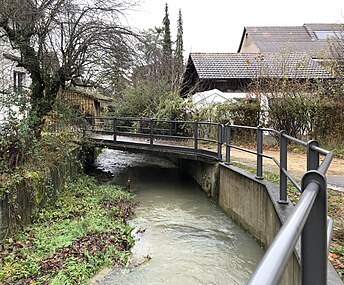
x,y
87,103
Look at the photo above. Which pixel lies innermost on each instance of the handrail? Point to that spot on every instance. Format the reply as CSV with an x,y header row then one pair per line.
x,y
271,268
309,217
295,140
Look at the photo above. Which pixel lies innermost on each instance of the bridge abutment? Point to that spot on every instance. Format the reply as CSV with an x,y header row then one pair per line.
x,y
206,175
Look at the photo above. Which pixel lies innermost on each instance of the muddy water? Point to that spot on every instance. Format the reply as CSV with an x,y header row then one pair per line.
x,y
182,237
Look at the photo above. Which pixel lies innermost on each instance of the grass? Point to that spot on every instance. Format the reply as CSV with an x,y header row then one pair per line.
x,y
335,211
70,240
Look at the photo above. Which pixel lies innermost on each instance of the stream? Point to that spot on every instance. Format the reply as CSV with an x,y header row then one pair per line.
x,y
182,237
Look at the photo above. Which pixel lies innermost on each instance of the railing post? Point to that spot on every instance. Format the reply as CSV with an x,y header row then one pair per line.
x,y
140,126
93,123
84,126
151,129
114,129
259,153
283,165
314,234
219,141
312,156
228,142
196,135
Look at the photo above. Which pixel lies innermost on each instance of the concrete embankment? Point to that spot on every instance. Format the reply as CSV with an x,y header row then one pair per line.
x,y
252,203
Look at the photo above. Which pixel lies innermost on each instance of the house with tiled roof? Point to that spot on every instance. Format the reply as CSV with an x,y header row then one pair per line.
x,y
270,52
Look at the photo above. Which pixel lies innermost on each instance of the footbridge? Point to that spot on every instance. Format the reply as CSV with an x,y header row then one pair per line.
x,y
209,141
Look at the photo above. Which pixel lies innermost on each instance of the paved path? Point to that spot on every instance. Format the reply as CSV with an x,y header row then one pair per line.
x,y
336,182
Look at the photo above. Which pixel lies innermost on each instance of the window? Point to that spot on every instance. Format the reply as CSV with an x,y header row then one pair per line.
x,y
323,35
18,80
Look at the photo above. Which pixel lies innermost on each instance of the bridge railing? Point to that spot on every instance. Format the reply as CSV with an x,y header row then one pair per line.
x,y
309,217
196,137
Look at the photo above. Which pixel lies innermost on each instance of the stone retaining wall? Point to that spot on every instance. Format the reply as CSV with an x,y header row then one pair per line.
x,y
24,201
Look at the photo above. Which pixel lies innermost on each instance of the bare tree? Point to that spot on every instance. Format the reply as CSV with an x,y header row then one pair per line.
x,y
64,42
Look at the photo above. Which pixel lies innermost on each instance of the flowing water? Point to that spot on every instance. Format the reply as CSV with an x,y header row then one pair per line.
x,y
181,236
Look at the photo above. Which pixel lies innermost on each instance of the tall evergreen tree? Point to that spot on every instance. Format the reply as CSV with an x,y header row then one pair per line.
x,y
179,41
178,56
167,43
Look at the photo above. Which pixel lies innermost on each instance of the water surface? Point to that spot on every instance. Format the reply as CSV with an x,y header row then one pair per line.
x,y
182,237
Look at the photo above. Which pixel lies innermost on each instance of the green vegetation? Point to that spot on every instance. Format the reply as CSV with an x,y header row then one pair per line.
x,y
28,164
83,231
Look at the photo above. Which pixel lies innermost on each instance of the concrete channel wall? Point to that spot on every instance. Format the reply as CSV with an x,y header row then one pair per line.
x,y
252,203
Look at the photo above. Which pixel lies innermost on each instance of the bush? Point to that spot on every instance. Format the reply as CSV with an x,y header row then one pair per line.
x,y
150,100
246,112
308,115
292,113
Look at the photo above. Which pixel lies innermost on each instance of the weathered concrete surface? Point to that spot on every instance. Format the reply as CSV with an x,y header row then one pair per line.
x,y
253,204
248,202
205,174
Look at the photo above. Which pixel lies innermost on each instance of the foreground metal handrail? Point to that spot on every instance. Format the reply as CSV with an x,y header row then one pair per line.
x,y
272,266
309,217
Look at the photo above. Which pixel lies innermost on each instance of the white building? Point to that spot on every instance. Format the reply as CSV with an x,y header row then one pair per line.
x,y
13,78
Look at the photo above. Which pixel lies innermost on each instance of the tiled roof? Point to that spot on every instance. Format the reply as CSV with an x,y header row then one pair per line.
x,y
279,34
291,38
249,65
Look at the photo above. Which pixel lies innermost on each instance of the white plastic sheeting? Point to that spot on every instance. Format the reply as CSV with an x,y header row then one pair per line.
x,y
206,98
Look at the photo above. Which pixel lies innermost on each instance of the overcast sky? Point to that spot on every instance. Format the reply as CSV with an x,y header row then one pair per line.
x,y
217,25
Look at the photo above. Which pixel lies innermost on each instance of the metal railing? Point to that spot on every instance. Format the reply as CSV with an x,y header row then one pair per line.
x,y
309,216
190,136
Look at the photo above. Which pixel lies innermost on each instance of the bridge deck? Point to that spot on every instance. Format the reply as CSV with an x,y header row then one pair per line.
x,y
165,147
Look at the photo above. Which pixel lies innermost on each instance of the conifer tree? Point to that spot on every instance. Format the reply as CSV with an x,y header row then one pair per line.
x,y
179,47
179,41
167,43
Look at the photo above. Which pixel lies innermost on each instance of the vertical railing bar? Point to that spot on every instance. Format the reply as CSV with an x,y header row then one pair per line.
x,y
314,234
312,156
272,266
114,129
151,129
219,141
259,153
140,126
283,165
228,142
93,123
196,136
